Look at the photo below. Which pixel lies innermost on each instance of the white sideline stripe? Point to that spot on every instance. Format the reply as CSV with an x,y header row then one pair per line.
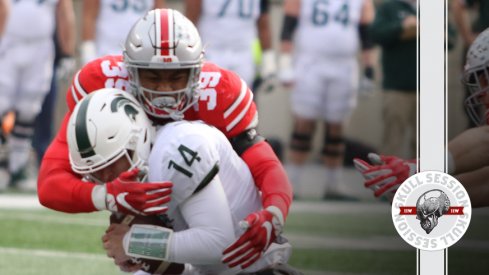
x,y
59,220
53,253
19,202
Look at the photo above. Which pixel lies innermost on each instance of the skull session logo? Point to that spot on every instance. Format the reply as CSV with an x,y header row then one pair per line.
x,y
431,210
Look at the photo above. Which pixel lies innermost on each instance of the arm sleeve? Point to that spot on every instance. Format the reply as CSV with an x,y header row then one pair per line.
x,y
58,187
211,230
386,28
269,176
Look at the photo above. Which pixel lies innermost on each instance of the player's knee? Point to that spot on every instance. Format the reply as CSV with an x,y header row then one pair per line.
x,y
333,145
301,142
23,127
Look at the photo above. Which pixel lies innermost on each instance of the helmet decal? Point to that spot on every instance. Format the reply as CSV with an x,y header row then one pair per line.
x,y
128,105
82,139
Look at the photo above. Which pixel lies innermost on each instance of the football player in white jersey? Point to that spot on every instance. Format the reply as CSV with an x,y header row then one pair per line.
x,y
213,189
105,24
228,29
27,56
324,37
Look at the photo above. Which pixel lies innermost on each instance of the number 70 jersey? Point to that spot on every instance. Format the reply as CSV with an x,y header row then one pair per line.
x,y
190,154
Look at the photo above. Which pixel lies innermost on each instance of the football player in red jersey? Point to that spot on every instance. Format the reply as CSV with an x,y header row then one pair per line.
x,y
163,67
467,153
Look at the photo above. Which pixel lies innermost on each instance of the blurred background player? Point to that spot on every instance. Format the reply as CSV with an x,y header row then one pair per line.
x,y
394,29
469,29
64,66
328,91
229,28
26,55
467,154
105,24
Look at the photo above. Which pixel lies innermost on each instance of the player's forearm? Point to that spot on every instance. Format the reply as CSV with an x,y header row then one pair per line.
x,y
193,9
477,185
264,32
470,149
60,190
159,4
459,12
89,20
4,12
66,27
269,176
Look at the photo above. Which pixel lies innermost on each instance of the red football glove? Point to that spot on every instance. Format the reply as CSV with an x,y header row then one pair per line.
x,y
127,195
262,228
385,174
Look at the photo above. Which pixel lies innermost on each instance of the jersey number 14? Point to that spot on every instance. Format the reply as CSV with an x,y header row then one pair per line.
x,y
189,156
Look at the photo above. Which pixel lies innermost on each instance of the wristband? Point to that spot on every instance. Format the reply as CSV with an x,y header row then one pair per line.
x,y
148,242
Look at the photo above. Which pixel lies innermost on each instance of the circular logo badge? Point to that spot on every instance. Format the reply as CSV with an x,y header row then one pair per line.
x,y
431,210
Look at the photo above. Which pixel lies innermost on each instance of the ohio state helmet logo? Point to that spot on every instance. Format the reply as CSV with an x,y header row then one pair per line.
x,y
419,205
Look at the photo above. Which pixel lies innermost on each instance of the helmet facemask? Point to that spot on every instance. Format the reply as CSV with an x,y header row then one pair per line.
x,y
165,104
476,80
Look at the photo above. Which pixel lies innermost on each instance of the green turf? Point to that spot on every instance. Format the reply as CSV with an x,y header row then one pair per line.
x,y
352,261
65,235
25,264
45,230
364,225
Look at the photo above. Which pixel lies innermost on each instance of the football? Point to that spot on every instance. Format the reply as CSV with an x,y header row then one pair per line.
x,y
151,266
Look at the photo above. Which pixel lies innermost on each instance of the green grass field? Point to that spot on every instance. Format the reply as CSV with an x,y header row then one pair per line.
x,y
47,242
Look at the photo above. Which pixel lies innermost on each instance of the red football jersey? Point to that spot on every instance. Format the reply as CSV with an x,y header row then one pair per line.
x,y
225,101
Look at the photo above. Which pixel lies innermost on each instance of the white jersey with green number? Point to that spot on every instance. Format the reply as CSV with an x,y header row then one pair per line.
x,y
189,154
213,190
329,28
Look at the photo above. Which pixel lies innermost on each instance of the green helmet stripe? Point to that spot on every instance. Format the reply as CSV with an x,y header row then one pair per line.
x,y
82,139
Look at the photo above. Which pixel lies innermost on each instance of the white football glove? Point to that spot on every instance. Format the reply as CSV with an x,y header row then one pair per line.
x,y
66,68
367,83
286,74
88,51
385,173
268,64
268,72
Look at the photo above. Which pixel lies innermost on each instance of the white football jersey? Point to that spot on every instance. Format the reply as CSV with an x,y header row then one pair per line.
x,y
228,24
115,19
190,154
328,28
31,19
